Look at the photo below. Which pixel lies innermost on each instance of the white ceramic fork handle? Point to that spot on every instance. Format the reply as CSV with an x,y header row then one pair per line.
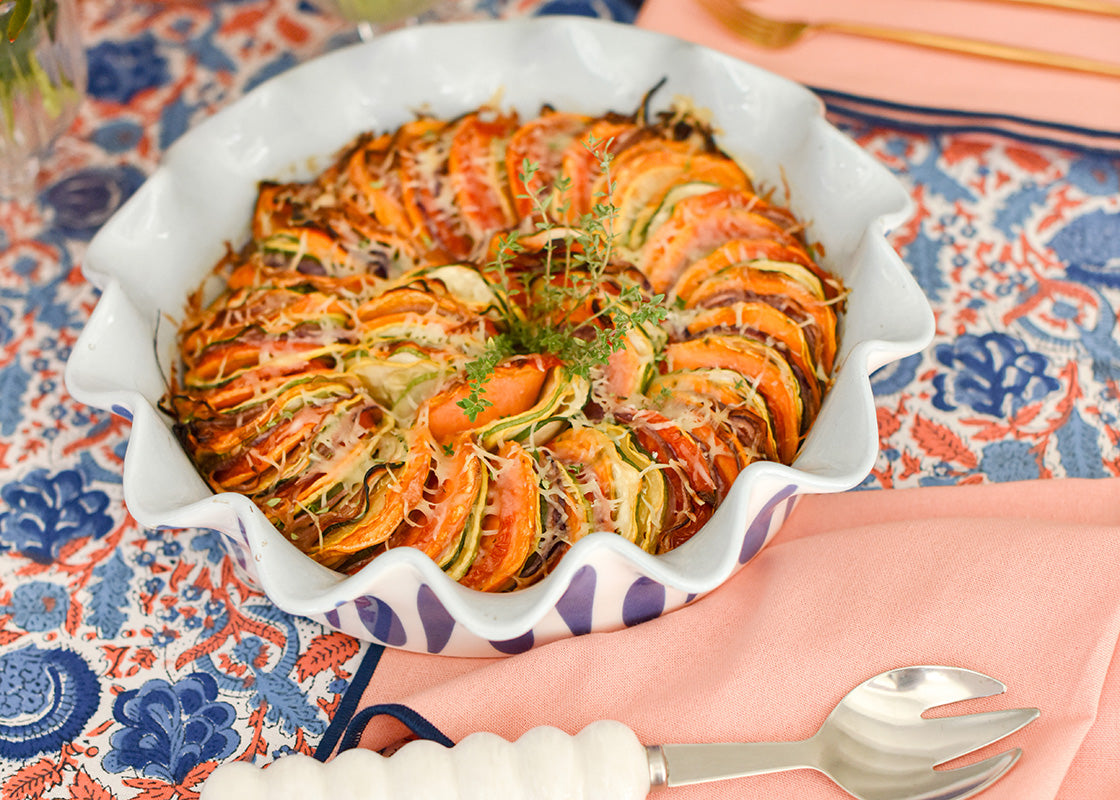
x,y
604,761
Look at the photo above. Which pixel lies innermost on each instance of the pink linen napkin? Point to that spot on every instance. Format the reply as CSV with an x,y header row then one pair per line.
x,y
915,76
1019,581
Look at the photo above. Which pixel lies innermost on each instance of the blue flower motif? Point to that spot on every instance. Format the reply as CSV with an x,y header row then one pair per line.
x,y
118,71
46,699
45,512
190,593
1009,461
989,370
896,376
84,200
211,543
14,380
1090,247
1018,207
117,136
38,606
164,637
169,729
7,332
1095,173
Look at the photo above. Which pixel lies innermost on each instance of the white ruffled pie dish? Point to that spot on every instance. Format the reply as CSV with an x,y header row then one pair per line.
x,y
167,237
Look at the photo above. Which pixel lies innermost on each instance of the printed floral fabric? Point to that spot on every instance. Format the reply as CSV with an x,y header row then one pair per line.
x,y
132,661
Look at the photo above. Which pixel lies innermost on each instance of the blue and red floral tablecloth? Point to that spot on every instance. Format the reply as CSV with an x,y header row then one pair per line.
x,y
132,661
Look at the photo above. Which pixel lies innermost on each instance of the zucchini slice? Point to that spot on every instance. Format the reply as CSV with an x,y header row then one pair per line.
x,y
388,503
566,514
611,484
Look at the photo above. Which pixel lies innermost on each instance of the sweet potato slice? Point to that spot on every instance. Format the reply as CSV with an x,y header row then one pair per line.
x,y
777,284
739,411
688,236
373,178
436,526
407,300
737,251
513,388
644,176
580,167
389,502
767,324
762,366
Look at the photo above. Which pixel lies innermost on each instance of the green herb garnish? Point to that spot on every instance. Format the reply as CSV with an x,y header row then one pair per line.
x,y
558,316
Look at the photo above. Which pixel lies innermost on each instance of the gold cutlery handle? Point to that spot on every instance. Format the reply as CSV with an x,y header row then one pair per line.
x,y
974,47
1108,9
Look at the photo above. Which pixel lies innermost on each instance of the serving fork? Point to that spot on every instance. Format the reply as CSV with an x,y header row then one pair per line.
x,y
876,744
776,34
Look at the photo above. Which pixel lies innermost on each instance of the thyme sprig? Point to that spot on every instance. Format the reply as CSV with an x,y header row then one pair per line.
x,y
577,260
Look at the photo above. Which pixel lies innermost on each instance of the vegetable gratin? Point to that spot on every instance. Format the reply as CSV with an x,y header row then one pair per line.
x,y
487,337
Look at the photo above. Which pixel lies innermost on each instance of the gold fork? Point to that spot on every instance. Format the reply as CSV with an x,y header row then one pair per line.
x,y
1105,7
776,34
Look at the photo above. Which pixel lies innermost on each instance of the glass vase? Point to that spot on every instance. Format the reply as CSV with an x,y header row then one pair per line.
x,y
42,82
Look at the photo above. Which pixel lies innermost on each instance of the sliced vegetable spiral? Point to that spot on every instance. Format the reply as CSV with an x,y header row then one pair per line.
x,y
327,378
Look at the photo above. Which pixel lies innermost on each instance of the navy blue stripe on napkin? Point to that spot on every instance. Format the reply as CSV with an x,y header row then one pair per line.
x,y
349,702
856,109
413,720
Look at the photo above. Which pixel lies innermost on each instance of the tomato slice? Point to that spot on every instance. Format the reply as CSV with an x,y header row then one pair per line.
x,y
692,490
428,197
510,533
477,173
542,142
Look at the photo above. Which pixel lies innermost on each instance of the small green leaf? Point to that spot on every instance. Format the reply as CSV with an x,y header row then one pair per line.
x,y
18,18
